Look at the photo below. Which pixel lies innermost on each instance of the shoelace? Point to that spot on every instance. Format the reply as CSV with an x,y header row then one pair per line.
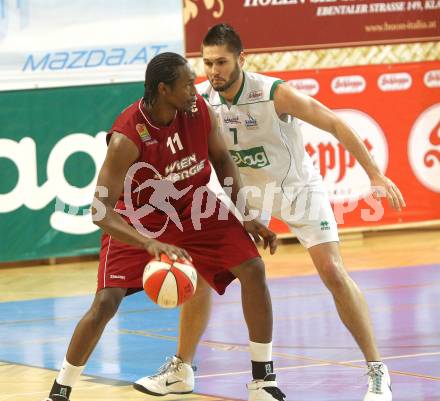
x,y
375,373
167,367
276,393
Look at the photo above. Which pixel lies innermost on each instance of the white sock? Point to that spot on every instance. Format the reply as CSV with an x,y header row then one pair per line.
x,y
260,352
69,374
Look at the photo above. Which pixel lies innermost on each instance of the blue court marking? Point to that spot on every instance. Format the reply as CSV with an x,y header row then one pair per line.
x,y
404,304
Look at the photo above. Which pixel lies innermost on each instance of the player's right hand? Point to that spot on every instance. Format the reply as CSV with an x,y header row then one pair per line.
x,y
383,187
259,231
156,248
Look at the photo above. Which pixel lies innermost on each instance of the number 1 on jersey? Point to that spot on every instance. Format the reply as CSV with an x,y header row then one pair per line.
x,y
234,133
176,140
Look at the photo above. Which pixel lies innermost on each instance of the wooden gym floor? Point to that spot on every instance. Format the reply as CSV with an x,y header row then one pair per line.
x,y
399,273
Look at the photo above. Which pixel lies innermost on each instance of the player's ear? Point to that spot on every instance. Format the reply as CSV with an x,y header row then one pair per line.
x,y
241,59
162,88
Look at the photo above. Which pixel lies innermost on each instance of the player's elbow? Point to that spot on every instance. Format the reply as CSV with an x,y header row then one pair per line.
x,y
338,128
98,212
221,160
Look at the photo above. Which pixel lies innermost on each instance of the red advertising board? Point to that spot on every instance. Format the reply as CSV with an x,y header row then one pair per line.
x,y
396,111
271,25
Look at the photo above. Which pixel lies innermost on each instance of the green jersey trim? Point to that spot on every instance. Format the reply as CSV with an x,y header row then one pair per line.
x,y
240,91
222,100
258,101
274,86
237,96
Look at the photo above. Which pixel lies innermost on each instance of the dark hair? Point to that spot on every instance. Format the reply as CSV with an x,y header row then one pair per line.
x,y
223,34
161,68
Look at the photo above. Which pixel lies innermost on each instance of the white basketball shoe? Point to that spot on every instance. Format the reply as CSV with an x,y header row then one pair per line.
x,y
265,390
174,377
379,383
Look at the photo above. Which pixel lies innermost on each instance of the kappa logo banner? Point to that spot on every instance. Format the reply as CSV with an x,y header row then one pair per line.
x,y
395,110
63,43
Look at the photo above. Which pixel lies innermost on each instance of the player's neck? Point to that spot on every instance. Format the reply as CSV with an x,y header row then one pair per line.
x,y
231,92
159,114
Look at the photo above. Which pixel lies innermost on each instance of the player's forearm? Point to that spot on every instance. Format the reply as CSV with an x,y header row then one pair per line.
x,y
226,168
353,143
114,225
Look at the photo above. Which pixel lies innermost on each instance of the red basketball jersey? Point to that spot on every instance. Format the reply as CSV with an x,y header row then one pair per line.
x,y
173,160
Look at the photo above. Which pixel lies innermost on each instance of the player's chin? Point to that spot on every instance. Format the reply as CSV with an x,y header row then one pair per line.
x,y
218,86
187,108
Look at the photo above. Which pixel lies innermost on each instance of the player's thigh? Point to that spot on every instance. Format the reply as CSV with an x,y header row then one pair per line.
x,y
107,301
121,265
310,217
217,247
250,272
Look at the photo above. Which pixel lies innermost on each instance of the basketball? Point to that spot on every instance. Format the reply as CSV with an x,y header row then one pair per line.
x,y
169,283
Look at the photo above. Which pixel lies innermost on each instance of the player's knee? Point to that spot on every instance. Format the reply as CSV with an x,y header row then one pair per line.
x,y
203,289
104,307
334,275
252,273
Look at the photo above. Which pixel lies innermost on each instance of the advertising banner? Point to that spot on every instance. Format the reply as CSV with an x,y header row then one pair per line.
x,y
50,150
396,111
279,25
63,43
52,143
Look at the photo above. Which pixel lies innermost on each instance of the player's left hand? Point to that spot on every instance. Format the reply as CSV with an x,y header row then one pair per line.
x,y
259,231
382,186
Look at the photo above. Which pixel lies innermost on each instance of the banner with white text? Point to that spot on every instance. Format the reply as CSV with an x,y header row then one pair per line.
x,y
396,111
50,153
64,43
53,145
280,25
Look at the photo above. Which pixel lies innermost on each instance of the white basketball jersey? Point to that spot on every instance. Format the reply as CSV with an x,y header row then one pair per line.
x,y
266,149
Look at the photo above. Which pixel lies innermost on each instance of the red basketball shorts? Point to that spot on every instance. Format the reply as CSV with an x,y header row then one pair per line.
x,y
219,246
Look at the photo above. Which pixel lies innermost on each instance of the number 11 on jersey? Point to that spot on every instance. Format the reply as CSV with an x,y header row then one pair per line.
x,y
234,133
176,140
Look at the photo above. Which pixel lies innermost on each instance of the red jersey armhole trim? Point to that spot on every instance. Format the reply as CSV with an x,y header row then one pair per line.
x,y
206,114
119,131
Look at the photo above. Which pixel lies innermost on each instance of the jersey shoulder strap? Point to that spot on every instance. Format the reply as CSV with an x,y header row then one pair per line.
x,y
208,93
258,88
